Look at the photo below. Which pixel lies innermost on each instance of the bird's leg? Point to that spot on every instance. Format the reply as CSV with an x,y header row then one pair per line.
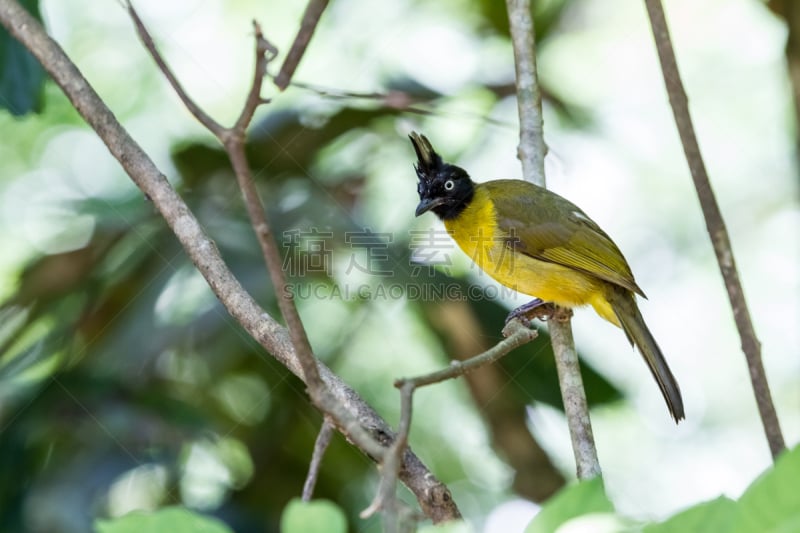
x,y
536,308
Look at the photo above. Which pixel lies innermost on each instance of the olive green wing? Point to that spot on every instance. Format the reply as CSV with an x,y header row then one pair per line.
x,y
543,225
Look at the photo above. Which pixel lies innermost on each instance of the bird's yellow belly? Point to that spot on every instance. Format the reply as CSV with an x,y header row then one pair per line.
x,y
477,235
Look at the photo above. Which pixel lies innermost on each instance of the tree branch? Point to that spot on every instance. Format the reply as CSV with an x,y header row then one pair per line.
x,y
385,499
234,142
536,477
233,139
532,151
433,496
311,17
201,116
320,445
573,395
715,225
265,52
516,335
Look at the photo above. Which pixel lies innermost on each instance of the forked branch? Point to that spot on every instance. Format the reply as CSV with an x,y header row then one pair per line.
x,y
516,335
355,419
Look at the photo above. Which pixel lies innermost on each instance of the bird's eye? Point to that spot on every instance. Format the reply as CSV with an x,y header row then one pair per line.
x,y
449,185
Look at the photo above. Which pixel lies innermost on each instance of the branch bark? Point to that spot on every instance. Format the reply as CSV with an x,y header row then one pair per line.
x,y
715,225
201,116
320,446
532,151
233,139
503,410
309,23
516,335
354,418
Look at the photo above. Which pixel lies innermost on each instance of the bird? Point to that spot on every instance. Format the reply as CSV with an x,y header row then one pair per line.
x,y
538,243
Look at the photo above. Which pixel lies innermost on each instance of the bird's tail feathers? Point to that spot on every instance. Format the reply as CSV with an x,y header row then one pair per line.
x,y
624,305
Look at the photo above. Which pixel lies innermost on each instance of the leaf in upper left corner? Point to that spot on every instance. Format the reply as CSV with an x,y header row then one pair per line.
x,y
21,76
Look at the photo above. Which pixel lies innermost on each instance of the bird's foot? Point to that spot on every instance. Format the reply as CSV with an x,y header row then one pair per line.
x,y
561,314
534,309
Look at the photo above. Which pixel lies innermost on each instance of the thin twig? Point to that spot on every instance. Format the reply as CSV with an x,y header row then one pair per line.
x,y
311,17
403,101
265,52
235,146
359,419
272,258
715,225
536,477
212,125
532,148
385,499
532,151
516,335
320,445
574,397
233,140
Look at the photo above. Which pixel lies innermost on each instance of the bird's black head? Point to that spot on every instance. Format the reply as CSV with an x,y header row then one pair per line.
x,y
443,188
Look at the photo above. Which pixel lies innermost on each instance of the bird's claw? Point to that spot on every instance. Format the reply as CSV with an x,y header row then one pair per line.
x,y
533,309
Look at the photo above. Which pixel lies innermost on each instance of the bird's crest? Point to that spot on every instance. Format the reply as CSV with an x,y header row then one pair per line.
x,y
428,161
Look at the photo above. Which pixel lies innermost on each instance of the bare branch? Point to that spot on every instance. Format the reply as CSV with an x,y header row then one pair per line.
x,y
715,224
574,397
201,116
265,52
311,17
532,151
320,445
532,148
536,477
385,499
356,419
272,258
233,140
516,335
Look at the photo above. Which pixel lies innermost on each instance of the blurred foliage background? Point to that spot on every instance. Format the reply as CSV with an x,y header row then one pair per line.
x,y
124,384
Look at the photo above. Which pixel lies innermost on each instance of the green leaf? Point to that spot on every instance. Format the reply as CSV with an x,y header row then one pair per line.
x,y
717,515
21,75
575,500
172,519
318,516
771,504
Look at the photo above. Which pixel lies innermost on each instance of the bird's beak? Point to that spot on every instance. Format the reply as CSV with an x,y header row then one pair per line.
x,y
426,204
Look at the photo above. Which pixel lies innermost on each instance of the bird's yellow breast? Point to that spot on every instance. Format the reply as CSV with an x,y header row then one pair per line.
x,y
477,234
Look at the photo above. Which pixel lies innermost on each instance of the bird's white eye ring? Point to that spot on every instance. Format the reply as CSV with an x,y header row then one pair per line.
x,y
449,185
